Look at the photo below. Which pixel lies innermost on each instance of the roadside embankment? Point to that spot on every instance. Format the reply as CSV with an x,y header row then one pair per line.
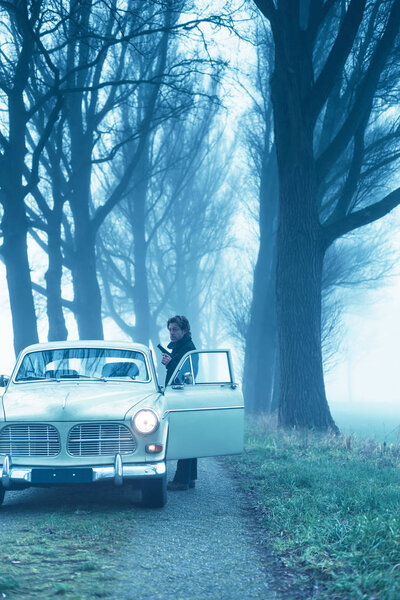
x,y
329,509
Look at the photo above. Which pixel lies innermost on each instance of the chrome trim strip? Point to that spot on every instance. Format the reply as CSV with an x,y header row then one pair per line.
x,y
23,474
6,472
130,471
118,469
65,400
20,474
202,409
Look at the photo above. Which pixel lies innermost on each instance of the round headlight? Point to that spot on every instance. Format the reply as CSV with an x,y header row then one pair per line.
x,y
145,421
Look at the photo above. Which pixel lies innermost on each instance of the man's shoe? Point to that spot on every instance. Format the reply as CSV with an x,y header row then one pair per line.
x,y
175,486
192,483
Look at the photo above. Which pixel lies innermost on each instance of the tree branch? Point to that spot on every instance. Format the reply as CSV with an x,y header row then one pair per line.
x,y
361,217
364,95
337,57
343,205
42,290
34,177
318,12
106,208
128,329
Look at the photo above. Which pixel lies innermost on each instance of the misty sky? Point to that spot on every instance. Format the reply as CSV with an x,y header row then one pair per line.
x,y
366,374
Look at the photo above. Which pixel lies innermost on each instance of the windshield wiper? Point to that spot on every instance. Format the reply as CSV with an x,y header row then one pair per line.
x,y
31,378
95,377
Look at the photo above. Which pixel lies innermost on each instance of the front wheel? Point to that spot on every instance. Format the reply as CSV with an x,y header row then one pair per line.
x,y
154,492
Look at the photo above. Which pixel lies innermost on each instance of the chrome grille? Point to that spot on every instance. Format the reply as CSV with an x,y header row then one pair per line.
x,y
99,439
29,440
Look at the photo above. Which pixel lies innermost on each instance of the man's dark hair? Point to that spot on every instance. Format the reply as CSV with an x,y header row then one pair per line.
x,y
181,321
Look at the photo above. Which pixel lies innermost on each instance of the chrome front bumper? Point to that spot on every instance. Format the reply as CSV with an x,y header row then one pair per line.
x,y
13,475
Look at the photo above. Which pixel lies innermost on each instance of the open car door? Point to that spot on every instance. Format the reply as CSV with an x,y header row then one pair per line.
x,y
204,407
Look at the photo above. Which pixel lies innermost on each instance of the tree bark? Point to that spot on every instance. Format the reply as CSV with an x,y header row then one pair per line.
x,y
15,227
306,72
262,337
141,288
300,250
12,167
15,254
261,341
299,276
87,296
53,277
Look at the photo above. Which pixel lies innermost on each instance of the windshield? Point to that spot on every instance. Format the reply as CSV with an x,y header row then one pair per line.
x,y
75,363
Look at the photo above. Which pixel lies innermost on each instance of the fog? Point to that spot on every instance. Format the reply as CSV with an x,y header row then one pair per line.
x,y
181,170
363,386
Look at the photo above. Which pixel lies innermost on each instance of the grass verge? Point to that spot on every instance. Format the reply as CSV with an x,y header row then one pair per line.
x,y
64,550
331,510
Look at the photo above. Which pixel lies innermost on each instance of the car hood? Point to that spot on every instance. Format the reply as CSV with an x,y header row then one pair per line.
x,y
73,401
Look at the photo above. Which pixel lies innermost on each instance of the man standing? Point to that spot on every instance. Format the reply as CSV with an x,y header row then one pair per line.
x,y
181,342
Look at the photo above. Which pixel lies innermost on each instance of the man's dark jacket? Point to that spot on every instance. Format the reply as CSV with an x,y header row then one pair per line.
x,y
178,348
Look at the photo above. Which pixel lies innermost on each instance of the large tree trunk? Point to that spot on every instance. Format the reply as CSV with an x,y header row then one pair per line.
x,y
299,275
55,314
87,296
300,242
15,253
15,227
262,340
141,288
53,276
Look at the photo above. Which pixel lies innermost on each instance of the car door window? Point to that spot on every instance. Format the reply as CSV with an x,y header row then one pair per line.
x,y
202,368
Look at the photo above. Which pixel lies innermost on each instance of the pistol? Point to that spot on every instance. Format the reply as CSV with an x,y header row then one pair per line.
x,y
163,350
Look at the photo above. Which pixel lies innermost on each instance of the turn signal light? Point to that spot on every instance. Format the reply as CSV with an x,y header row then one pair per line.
x,y
154,448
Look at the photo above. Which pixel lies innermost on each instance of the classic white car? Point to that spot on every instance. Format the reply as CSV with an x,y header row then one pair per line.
x,y
93,411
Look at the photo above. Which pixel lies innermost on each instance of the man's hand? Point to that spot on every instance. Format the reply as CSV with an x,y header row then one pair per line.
x,y
166,359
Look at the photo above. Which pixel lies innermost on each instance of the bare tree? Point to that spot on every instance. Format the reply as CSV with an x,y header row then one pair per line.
x,y
320,48
25,30
184,227
260,363
117,90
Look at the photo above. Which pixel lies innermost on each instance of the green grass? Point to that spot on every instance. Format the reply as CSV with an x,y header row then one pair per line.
x,y
63,552
331,509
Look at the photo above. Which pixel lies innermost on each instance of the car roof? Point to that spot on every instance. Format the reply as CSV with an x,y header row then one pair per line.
x,y
118,344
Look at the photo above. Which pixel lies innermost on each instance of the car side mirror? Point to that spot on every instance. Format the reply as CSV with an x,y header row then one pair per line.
x,y
187,379
4,379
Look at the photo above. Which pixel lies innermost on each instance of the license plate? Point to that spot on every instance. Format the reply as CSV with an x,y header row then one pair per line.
x,y
62,475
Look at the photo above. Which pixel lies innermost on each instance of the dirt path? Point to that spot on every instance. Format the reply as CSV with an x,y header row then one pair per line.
x,y
201,546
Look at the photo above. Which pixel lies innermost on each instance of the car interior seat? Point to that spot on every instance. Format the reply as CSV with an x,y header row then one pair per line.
x,y
120,369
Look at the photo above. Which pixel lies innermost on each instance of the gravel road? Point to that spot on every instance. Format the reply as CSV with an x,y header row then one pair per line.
x,y
202,545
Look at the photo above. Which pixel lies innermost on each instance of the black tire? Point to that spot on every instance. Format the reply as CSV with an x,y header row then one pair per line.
x,y
154,492
2,492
